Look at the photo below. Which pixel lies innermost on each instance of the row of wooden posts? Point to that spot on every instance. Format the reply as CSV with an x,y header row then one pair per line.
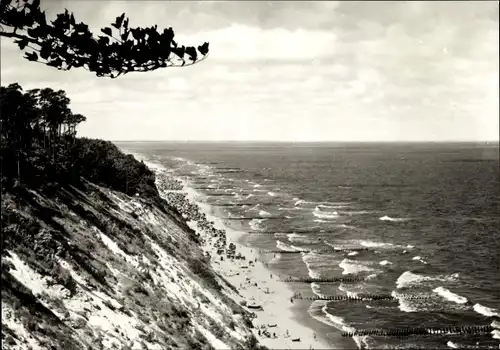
x,y
421,331
367,297
351,279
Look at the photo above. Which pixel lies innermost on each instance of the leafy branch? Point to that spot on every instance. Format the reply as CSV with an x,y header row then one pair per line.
x,y
65,44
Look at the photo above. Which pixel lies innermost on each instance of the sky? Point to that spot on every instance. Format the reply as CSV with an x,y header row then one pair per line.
x,y
292,71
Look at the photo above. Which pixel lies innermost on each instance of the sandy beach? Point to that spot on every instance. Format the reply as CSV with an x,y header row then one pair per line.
x,y
258,286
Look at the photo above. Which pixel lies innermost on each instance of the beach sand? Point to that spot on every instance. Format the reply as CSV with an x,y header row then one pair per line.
x,y
270,293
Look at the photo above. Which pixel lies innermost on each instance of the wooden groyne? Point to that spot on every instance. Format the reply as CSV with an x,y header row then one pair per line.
x,y
317,251
311,230
421,331
254,218
232,204
220,195
290,232
228,171
366,297
346,279
207,188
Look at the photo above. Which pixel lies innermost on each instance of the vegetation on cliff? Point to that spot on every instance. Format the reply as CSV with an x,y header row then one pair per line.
x,y
40,148
85,262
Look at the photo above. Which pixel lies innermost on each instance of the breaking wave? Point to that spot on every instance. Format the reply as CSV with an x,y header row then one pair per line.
x,y
445,293
388,218
408,278
486,311
353,267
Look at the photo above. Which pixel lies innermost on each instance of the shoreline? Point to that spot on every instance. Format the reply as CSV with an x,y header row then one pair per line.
x,y
270,292
297,319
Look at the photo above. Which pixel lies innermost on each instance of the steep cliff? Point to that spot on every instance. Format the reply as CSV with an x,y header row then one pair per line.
x,y
91,267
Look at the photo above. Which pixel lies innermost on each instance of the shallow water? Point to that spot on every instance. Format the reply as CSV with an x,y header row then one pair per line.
x,y
427,215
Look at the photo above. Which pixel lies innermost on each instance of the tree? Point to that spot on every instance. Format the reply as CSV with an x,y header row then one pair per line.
x,y
65,44
28,120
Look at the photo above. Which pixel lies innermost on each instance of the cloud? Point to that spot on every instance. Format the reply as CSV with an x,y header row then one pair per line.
x,y
295,71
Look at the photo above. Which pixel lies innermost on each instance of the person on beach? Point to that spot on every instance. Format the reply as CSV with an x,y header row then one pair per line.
x,y
291,300
314,335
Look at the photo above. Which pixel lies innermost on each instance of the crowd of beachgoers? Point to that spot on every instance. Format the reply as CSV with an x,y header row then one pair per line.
x,y
256,284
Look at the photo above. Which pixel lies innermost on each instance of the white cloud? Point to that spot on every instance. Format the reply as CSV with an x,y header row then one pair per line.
x,y
378,73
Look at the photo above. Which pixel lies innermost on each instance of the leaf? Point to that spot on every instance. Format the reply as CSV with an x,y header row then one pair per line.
x,y
179,51
107,31
125,35
119,20
191,51
203,49
22,43
31,56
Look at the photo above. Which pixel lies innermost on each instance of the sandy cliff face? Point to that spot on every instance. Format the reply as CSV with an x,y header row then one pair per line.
x,y
93,268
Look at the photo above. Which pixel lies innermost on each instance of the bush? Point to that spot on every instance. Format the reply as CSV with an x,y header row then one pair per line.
x,y
202,270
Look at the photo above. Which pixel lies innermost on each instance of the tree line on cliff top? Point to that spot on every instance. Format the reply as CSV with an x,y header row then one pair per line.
x,y
40,149
38,139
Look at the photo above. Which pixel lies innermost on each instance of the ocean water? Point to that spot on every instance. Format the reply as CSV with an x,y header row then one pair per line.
x,y
427,214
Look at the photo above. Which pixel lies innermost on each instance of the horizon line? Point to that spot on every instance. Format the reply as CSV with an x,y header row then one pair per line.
x,y
289,141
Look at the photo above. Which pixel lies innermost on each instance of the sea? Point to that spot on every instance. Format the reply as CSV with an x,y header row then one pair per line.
x,y
417,221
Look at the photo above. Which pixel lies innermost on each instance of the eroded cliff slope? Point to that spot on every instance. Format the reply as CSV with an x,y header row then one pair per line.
x,y
90,267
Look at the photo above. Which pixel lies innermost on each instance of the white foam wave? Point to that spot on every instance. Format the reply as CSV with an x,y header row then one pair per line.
x,y
445,293
419,258
404,304
255,224
307,259
320,220
325,214
298,249
332,206
353,267
296,238
388,218
344,289
337,321
496,334
385,262
451,344
359,212
292,236
264,213
407,279
352,253
272,194
283,246
256,185
486,311
316,288
495,324
370,244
